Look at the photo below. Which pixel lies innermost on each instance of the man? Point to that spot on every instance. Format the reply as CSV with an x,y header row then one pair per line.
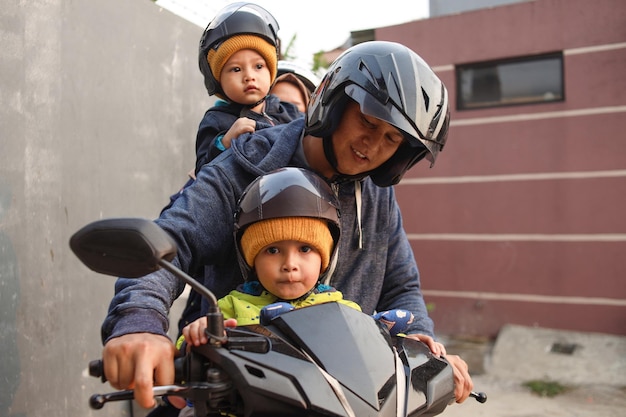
x,y
378,111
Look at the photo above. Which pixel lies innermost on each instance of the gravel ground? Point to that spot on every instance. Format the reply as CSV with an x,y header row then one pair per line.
x,y
511,399
594,370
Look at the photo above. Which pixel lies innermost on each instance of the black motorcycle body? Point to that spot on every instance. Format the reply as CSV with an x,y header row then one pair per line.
x,y
323,360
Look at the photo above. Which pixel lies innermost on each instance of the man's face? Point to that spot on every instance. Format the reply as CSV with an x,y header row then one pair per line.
x,y
363,143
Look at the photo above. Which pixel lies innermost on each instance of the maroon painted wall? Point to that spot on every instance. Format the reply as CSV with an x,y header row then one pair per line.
x,y
523,219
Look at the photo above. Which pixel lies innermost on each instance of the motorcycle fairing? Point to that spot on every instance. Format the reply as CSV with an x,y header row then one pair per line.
x,y
365,364
430,379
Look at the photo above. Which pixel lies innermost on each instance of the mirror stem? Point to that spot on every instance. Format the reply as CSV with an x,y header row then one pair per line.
x,y
215,318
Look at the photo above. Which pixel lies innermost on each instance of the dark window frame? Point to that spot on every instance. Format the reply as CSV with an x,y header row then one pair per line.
x,y
490,95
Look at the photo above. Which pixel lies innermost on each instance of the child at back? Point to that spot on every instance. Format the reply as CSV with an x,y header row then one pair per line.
x,y
294,84
238,58
289,88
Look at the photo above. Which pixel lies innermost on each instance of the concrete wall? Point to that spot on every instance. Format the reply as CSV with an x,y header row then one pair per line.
x,y
101,100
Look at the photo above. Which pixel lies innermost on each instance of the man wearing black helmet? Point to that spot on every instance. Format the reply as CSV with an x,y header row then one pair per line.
x,y
378,111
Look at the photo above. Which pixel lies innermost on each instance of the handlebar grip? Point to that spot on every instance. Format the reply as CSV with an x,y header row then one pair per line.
x,y
481,397
96,369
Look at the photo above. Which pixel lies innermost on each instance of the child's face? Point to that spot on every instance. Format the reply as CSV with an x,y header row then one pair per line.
x,y
288,269
245,78
363,143
289,93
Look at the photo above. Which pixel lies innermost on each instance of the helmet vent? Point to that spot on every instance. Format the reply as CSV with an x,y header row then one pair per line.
x,y
426,99
364,69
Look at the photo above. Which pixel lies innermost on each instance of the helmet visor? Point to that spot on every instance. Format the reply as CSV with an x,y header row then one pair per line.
x,y
251,8
287,193
392,115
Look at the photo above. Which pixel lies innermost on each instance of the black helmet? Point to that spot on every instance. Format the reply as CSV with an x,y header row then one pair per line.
x,y
394,84
239,18
286,192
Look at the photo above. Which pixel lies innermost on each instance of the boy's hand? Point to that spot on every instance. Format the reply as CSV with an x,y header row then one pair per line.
x,y
239,127
195,334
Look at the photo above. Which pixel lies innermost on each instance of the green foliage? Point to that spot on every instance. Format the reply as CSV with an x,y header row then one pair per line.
x,y
286,54
545,388
319,63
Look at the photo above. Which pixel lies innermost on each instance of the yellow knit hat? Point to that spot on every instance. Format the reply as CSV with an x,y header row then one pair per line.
x,y
217,58
309,230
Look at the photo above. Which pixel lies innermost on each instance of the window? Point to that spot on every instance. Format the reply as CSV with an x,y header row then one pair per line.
x,y
536,79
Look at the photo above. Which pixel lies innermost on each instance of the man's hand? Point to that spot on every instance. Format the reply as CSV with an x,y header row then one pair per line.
x,y
138,361
436,348
463,384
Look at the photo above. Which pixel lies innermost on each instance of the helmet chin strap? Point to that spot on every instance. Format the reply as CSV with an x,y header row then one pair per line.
x,y
251,106
248,108
329,152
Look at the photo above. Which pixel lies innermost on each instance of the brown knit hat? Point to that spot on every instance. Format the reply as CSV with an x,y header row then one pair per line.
x,y
294,80
311,231
217,58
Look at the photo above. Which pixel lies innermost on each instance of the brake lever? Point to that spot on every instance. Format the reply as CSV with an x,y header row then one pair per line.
x,y
97,401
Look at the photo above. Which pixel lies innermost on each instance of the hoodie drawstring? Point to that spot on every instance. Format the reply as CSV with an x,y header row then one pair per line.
x,y
358,197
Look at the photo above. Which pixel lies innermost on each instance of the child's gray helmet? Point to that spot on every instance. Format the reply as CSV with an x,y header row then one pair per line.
x,y
286,192
239,18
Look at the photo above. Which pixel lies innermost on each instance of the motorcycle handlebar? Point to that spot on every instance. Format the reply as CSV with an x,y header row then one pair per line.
x,y
481,397
97,401
96,369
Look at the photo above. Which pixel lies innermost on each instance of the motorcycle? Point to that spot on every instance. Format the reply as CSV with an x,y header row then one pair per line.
x,y
322,360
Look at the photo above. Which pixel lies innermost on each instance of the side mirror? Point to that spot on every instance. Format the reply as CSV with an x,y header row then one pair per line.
x,y
127,247
134,247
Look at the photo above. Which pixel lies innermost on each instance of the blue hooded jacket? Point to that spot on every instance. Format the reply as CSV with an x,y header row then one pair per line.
x,y
219,118
376,267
